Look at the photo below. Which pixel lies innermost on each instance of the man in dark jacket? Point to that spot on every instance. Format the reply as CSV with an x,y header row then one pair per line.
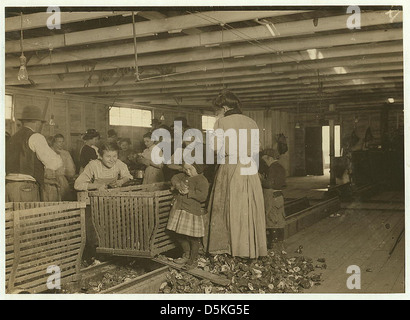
x,y
27,154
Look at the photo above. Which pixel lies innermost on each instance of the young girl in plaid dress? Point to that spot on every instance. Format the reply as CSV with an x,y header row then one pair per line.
x,y
186,216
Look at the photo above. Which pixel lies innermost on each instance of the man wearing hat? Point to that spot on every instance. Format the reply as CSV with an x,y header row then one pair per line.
x,y
112,136
155,124
273,181
26,157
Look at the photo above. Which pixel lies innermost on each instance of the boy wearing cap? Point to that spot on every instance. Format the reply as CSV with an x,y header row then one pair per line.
x,y
89,151
27,156
273,181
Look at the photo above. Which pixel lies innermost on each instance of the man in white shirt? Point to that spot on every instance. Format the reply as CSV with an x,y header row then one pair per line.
x,y
27,155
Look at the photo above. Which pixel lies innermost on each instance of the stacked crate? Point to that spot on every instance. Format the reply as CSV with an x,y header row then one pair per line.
x,y
39,236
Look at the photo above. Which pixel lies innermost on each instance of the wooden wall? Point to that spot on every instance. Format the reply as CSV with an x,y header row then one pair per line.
x,y
349,122
74,114
271,123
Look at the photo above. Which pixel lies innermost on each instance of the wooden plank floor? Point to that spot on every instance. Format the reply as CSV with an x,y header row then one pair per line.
x,y
363,236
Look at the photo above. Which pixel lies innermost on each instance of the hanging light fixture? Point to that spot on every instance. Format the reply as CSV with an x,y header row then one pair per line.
x,y
22,75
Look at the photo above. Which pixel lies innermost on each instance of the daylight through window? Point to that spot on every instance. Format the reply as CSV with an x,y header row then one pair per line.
x,y
130,117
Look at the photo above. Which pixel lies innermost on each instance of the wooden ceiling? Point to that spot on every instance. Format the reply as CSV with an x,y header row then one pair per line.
x,y
271,58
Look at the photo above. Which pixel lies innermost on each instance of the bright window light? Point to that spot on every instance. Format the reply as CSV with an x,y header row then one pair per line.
x,y
9,107
130,117
208,123
340,70
326,144
314,54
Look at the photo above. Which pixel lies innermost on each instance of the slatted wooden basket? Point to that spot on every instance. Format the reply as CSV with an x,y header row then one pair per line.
x,y
40,235
132,221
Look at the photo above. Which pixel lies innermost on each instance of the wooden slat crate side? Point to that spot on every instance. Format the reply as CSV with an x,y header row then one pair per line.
x,y
43,263
141,224
159,250
41,233
36,211
9,206
40,251
66,276
133,214
124,226
41,280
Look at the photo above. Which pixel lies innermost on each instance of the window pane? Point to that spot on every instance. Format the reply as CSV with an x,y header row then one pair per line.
x,y
130,117
9,107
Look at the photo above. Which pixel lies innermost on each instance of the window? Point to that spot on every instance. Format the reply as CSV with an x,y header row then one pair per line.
x,y
130,117
9,107
208,122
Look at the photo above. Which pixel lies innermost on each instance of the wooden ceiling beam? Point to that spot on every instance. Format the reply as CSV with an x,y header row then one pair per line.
x,y
277,46
154,15
300,93
122,32
266,103
188,63
39,20
262,85
309,76
142,29
301,68
380,85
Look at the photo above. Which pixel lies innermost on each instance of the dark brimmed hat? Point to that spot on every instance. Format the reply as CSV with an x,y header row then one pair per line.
x,y
183,120
110,133
32,113
271,153
90,134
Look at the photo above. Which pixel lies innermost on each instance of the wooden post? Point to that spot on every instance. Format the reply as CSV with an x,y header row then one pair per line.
x,y
332,146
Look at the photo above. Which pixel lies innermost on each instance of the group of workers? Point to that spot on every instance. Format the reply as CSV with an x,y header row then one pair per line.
x,y
240,207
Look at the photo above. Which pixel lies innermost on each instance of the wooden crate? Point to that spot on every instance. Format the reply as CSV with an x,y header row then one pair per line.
x,y
40,235
132,221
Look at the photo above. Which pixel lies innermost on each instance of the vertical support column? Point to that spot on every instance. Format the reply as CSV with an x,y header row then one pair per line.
x,y
332,146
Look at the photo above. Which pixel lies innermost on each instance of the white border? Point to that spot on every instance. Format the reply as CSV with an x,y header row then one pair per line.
x,y
205,3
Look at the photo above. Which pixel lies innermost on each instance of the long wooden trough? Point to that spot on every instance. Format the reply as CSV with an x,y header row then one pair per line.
x,y
307,217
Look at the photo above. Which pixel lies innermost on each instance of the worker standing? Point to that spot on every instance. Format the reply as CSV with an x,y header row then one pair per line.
x,y
273,182
27,156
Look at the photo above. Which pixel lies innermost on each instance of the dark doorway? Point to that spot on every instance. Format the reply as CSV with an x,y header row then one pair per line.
x,y
313,151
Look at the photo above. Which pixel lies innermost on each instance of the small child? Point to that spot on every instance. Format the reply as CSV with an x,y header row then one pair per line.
x,y
186,216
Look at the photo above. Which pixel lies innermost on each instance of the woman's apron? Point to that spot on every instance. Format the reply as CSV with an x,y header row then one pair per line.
x,y
274,208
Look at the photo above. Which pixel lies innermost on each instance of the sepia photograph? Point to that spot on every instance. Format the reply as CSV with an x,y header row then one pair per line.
x,y
208,151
